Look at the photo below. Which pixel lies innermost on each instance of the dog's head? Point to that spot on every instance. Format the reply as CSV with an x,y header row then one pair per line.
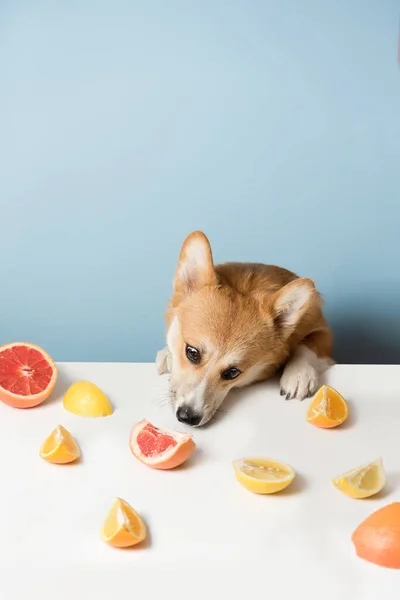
x,y
220,338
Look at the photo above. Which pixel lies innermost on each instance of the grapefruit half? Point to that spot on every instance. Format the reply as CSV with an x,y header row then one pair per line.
x,y
27,375
160,448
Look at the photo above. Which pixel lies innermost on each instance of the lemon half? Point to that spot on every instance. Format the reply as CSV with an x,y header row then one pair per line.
x,y
363,481
85,399
263,475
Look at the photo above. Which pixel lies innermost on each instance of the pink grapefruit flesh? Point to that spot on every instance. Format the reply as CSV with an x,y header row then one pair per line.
x,y
27,375
160,448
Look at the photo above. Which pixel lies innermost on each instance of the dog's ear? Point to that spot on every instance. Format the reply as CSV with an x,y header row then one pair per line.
x,y
195,265
291,302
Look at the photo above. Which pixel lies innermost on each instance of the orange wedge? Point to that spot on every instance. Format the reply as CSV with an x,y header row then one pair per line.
x,y
60,447
327,409
123,527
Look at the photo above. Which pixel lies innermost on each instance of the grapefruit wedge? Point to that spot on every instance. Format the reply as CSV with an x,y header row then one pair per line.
x,y
160,448
27,375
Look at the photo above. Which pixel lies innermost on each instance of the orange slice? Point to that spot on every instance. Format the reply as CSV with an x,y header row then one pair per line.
x,y
27,375
327,409
60,447
123,527
160,448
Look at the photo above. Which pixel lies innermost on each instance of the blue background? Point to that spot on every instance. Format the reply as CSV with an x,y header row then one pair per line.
x,y
274,126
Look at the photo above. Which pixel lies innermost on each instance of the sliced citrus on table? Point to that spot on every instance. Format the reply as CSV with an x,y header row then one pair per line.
x,y
160,448
263,475
27,375
377,538
123,527
60,447
363,481
85,399
327,409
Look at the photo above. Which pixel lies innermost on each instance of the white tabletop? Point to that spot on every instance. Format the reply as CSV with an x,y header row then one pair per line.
x,y
208,535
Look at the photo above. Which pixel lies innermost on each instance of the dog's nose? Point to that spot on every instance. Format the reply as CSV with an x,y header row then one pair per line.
x,y
187,415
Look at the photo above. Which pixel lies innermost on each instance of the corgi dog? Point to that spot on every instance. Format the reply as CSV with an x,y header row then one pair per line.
x,y
234,324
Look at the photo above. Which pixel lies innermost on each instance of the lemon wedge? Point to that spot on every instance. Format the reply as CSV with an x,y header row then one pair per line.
x,y
263,475
60,447
363,481
85,399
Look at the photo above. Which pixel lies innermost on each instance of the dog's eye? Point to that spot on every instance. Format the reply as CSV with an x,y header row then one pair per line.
x,y
192,354
231,373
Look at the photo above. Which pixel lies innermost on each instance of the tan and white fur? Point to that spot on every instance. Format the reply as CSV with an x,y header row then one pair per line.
x,y
233,324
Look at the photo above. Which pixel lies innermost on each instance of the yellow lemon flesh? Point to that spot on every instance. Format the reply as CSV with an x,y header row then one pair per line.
x,y
85,399
362,482
263,475
60,447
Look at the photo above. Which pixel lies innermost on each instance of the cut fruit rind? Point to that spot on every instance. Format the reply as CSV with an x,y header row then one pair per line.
x,y
60,447
327,409
160,448
377,538
263,475
363,481
123,526
27,375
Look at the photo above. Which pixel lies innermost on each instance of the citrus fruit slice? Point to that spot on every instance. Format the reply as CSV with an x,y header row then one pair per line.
x,y
27,375
377,539
160,448
60,447
85,399
327,409
363,481
263,475
123,527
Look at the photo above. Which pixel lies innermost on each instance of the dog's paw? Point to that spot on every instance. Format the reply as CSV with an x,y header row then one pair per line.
x,y
299,380
163,361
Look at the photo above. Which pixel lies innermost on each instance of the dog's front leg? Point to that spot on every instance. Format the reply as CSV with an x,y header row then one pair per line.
x,y
164,361
301,375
